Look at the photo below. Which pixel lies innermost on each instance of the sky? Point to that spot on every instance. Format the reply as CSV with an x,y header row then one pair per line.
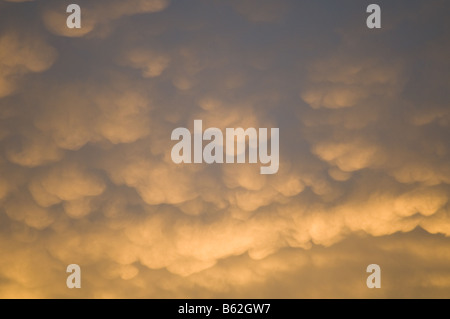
x,y
86,175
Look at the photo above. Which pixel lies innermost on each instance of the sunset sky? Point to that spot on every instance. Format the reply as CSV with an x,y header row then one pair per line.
x,y
86,175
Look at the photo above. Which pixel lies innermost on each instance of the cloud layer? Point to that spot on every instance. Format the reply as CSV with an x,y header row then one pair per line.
x,y
86,175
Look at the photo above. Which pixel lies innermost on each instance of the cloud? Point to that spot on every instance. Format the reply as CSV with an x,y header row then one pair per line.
x,y
22,54
96,17
113,113
22,209
150,63
337,82
36,149
71,182
87,176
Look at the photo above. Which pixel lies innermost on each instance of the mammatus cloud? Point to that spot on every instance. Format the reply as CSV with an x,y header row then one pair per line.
x,y
87,176
98,14
22,54
150,63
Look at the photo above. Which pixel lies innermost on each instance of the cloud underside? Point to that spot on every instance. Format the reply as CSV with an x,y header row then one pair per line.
x,y
86,175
